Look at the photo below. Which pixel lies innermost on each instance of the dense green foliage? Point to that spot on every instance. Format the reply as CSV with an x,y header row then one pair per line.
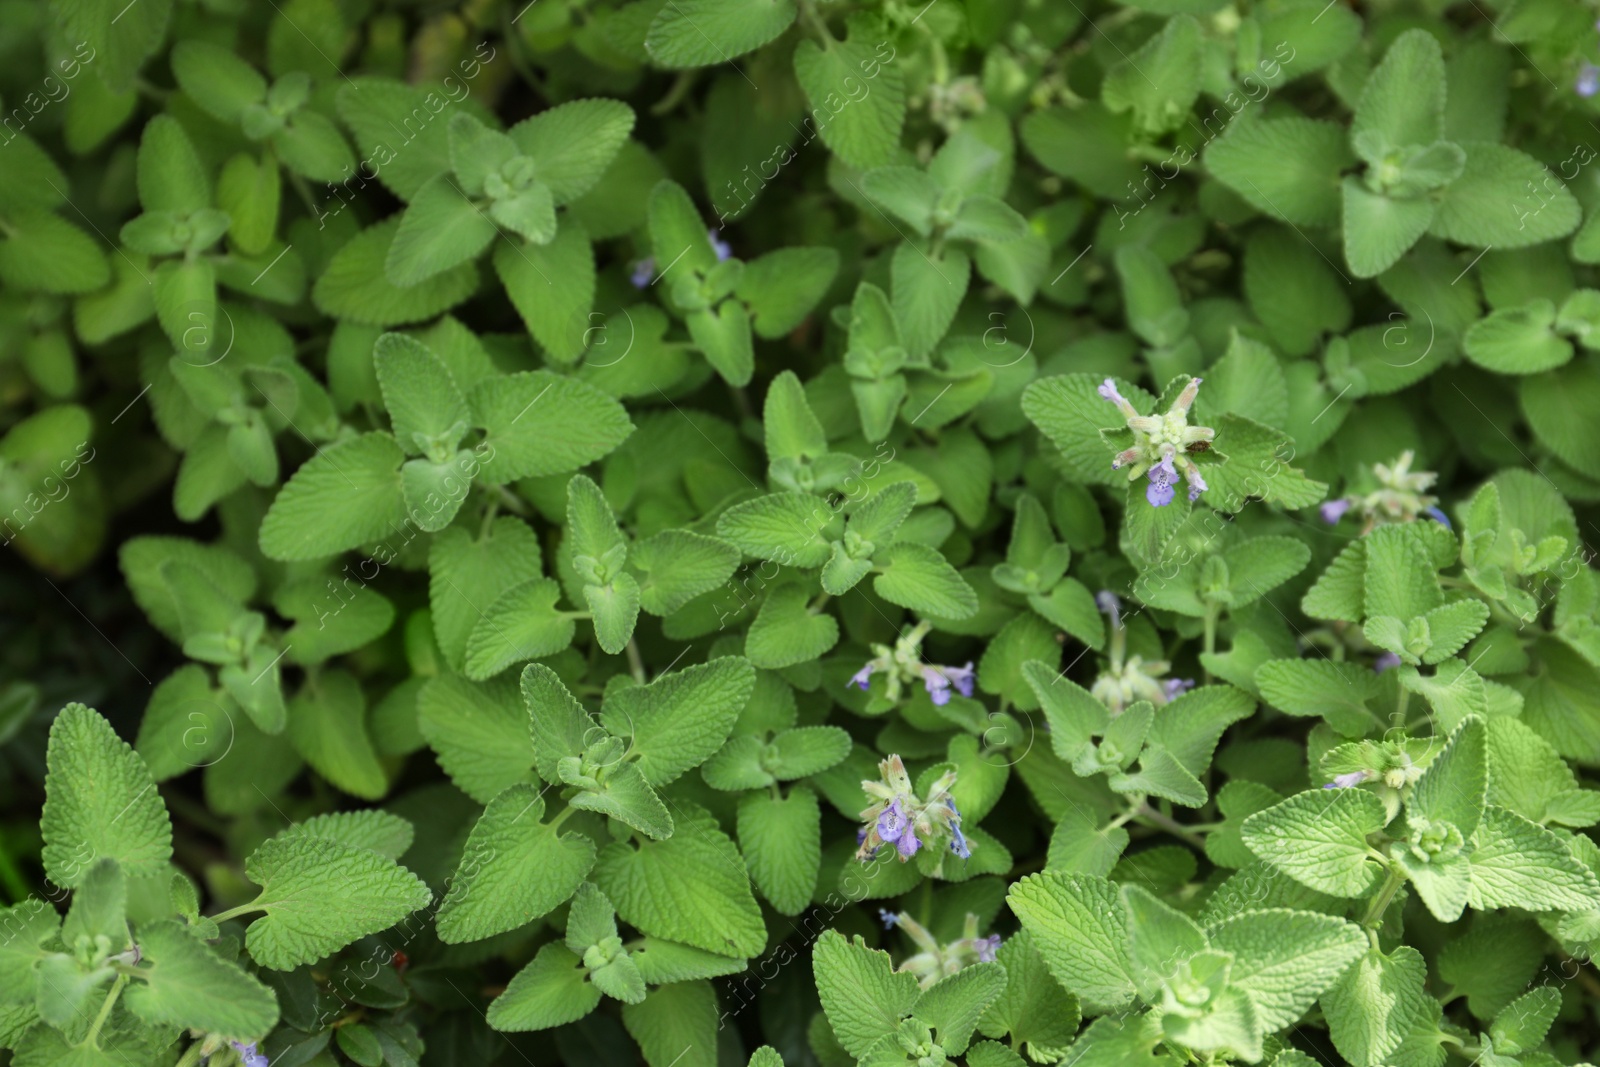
x,y
757,532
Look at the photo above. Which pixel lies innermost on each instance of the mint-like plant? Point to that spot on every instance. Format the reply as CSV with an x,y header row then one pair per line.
x,y
705,533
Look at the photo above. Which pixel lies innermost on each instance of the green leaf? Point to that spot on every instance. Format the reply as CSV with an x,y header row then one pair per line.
x,y
467,575
28,925
675,566
1338,692
1033,1010
395,130
478,731
1504,198
1160,81
1257,466
625,795
1521,1025
320,895
553,989
1080,927
676,1025
786,527
440,229
1285,959
375,829
785,633
920,578
515,868
1379,229
1402,103
1377,1003
781,838
537,423
342,497
928,290
522,624
552,286
354,284
1319,838
953,1005
1400,578
863,995
723,335
1517,864
702,33
677,233
572,144
1287,167
790,428
783,286
189,985
327,725
170,174
679,719
43,252
100,801
692,887
1518,340
856,93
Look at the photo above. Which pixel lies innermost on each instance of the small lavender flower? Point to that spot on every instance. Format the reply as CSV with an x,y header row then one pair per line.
x,y
1588,80
987,947
1348,781
248,1054
893,822
1439,517
1176,687
722,248
1333,510
1386,661
890,919
1162,476
1109,604
862,676
643,271
938,680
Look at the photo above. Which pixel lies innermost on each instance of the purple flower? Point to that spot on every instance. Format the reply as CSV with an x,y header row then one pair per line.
x,y
248,1054
1347,781
642,272
1197,484
1333,510
1385,661
890,919
862,676
958,843
1175,687
1108,391
1588,80
893,822
1439,517
1162,478
987,947
722,248
908,843
939,679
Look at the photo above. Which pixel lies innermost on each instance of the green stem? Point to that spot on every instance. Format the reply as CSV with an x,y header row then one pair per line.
x,y
234,913
1399,719
1380,903
1210,638
676,94
1148,816
635,663
92,1037
816,22
818,604
563,816
191,1055
489,514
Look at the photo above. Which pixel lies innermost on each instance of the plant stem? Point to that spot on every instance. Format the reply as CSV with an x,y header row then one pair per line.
x,y
1210,638
818,604
635,663
233,913
1380,903
1399,719
92,1037
1149,816
191,1055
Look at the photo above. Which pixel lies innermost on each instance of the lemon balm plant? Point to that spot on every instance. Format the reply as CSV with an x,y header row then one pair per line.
x,y
711,533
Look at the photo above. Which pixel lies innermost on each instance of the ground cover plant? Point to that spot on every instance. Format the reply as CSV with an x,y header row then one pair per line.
x,y
710,533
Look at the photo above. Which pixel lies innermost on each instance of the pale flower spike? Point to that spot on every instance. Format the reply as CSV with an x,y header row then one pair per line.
x,y
1162,445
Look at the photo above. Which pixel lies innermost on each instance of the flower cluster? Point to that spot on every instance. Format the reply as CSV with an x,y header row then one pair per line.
x,y
1162,444
644,270
897,817
1401,496
903,664
936,961
1130,679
